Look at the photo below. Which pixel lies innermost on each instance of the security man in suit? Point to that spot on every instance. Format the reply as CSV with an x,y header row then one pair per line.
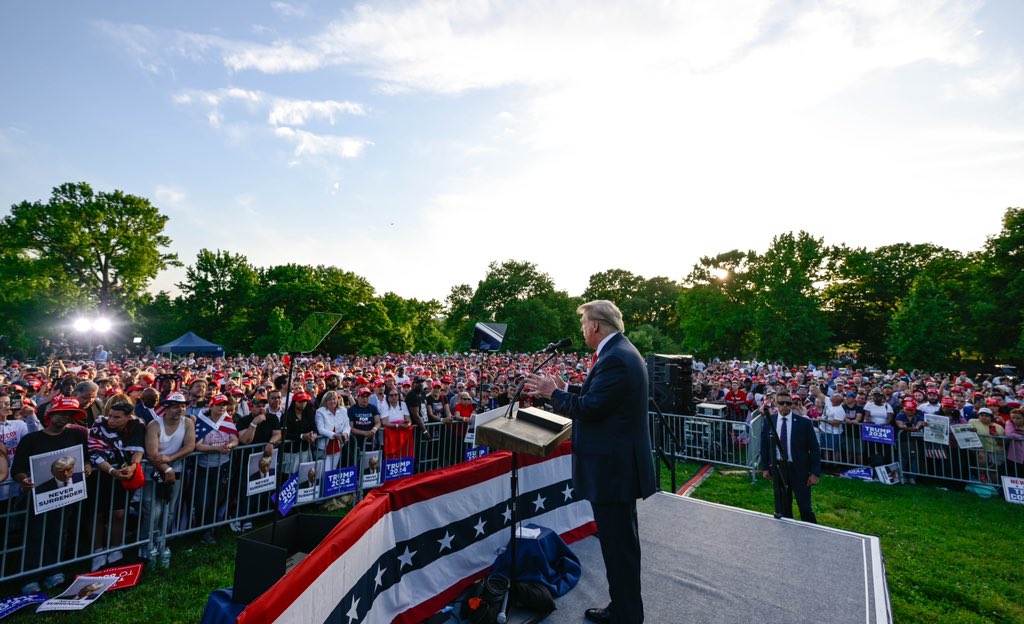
x,y
612,463
799,459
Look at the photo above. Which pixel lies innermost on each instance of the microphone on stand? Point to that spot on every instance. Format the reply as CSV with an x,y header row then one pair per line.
x,y
555,346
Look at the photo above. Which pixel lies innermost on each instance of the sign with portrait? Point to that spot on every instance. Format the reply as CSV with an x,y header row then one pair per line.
x,y
59,477
370,468
965,436
262,471
309,479
82,593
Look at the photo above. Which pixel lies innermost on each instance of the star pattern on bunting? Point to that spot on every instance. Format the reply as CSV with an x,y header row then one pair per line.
x,y
419,550
353,611
406,557
446,542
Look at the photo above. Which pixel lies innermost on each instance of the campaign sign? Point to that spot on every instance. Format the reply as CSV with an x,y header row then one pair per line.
x,y
1013,490
883,434
859,473
287,496
476,452
127,576
371,468
12,604
59,478
309,480
82,593
397,468
340,481
262,472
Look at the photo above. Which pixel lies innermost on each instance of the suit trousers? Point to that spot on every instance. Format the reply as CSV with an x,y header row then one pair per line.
x,y
796,488
620,547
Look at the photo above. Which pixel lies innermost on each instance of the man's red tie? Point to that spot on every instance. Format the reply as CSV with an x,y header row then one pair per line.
x,y
593,359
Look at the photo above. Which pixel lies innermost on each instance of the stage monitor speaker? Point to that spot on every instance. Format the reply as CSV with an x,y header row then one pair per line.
x,y
671,382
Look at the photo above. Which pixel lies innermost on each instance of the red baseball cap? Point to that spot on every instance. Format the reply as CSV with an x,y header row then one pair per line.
x,y
219,399
301,396
910,404
67,405
948,402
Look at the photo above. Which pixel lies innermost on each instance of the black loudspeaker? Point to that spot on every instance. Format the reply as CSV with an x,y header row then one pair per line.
x,y
262,557
671,382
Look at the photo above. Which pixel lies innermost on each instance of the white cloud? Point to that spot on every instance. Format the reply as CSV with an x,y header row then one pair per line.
x,y
297,112
290,10
308,144
170,196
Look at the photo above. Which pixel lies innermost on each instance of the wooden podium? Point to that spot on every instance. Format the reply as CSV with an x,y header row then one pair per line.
x,y
519,435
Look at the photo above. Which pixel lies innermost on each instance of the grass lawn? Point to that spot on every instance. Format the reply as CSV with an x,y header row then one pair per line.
x,y
949,555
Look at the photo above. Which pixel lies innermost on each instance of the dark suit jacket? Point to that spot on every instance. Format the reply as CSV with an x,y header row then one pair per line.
x,y
803,446
611,437
51,484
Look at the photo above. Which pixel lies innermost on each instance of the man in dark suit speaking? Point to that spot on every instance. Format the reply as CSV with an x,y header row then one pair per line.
x,y
801,464
611,445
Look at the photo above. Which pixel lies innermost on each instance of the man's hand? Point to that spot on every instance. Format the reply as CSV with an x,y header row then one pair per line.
x,y
812,480
541,386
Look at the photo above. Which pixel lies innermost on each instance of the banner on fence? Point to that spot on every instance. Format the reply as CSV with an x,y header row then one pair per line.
x,y
1013,489
398,468
883,434
340,481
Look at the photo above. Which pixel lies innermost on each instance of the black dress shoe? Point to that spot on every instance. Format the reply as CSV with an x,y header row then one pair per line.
x,y
601,615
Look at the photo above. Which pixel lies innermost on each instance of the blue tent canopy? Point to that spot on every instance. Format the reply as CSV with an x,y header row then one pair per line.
x,y
190,343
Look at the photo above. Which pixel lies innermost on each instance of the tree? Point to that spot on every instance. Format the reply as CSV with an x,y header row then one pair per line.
x,y
106,245
218,294
642,301
998,317
714,309
923,330
788,321
865,289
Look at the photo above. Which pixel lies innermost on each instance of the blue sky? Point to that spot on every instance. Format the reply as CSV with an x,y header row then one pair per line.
x,y
415,142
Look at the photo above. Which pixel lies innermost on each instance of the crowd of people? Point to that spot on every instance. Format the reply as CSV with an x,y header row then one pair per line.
x,y
120,412
841,399
139,419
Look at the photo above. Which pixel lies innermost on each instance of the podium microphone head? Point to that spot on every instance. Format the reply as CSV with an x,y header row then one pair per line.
x,y
555,346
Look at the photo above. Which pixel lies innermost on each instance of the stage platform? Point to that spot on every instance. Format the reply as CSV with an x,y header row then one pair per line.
x,y
708,563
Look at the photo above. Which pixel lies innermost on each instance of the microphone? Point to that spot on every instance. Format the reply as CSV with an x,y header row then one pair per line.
x,y
555,346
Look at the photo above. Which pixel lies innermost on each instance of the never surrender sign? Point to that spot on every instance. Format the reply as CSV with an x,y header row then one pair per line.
x,y
882,434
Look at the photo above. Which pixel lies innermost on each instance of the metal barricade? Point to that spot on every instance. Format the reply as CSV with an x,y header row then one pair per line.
x,y
702,439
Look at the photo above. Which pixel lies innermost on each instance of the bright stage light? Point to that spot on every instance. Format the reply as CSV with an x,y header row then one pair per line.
x,y
82,325
101,325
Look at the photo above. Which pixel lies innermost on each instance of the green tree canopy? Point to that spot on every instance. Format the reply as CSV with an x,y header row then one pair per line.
x,y
107,245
